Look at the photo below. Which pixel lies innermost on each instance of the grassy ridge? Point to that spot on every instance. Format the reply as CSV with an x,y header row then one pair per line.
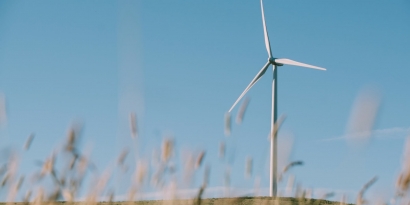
x,y
216,201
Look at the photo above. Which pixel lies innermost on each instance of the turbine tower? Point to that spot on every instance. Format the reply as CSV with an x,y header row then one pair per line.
x,y
275,62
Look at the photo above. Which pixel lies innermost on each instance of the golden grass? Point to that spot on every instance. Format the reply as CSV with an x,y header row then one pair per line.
x,y
68,182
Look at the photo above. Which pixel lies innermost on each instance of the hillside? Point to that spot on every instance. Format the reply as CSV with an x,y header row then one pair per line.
x,y
212,201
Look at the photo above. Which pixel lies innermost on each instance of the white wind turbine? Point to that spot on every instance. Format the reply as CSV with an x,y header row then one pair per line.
x,y
275,62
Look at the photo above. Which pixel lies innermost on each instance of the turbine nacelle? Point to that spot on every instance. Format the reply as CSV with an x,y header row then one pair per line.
x,y
273,62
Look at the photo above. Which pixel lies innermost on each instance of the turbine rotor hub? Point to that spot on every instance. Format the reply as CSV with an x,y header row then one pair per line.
x,y
272,61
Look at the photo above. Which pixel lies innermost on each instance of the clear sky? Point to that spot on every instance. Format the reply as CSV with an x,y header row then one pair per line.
x,y
180,65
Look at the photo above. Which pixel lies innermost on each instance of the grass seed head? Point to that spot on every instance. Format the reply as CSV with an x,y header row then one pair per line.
x,y
227,177
287,167
343,200
122,157
222,150
82,165
363,115
3,113
72,137
27,196
133,125
276,126
55,195
68,195
5,180
111,197
140,172
28,142
188,160
248,167
48,165
228,124
200,159
290,184
20,182
3,169
167,149
403,181
241,113
206,175
40,197
360,198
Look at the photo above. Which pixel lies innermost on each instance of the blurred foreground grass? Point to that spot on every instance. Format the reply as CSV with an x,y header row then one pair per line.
x,y
64,182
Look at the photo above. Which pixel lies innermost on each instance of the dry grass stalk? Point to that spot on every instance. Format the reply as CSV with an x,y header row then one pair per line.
x,y
3,169
111,197
287,167
98,188
276,126
206,175
228,124
54,196
5,180
73,137
84,164
290,184
308,196
257,185
363,115
140,172
189,167
298,190
343,200
13,192
133,125
19,183
227,177
11,170
300,194
198,198
241,113
199,159
167,149
121,159
27,196
3,113
28,142
309,193
248,167
39,199
360,200
68,184
403,181
68,195
48,166
222,148
292,164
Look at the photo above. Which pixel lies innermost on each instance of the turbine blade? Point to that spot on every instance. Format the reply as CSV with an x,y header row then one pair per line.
x,y
292,62
255,79
265,32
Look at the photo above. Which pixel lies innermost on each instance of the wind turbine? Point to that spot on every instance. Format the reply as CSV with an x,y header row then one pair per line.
x,y
275,62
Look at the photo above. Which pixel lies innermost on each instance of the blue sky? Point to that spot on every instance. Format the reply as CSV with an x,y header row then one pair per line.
x,y
181,65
